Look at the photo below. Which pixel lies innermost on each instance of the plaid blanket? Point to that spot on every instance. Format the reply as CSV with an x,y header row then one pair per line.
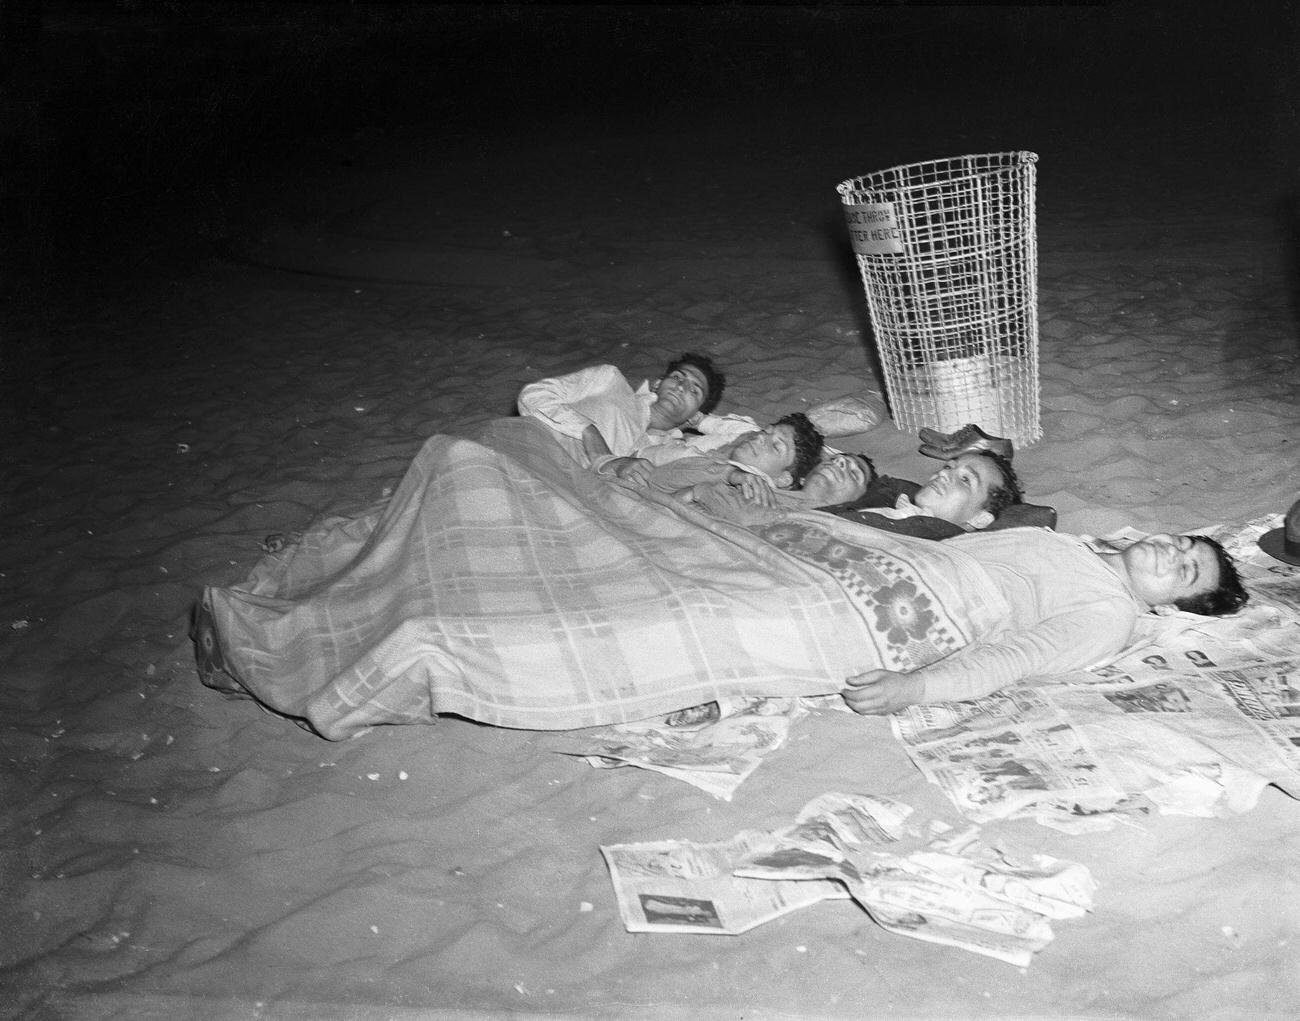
x,y
504,583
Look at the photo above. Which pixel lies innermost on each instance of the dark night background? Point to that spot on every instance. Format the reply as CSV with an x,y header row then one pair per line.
x,y
140,128
141,139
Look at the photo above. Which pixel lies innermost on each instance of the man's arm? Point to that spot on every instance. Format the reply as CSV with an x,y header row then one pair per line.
x,y
687,472
593,444
725,501
1068,641
722,429
716,432
635,470
553,400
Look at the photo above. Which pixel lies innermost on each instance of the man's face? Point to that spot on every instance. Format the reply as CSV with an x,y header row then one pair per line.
x,y
1164,568
769,450
959,490
837,479
678,396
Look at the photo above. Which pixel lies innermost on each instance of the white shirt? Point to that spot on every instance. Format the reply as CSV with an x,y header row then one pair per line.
x,y
602,396
598,396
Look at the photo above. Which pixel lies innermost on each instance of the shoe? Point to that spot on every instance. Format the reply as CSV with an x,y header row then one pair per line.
x,y
213,671
706,712
969,439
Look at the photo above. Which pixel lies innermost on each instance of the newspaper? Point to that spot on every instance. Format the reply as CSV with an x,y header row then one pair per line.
x,y
1202,736
675,886
714,747
941,887
1007,755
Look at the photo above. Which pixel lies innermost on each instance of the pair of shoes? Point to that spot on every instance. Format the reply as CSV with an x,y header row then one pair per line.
x,y
969,439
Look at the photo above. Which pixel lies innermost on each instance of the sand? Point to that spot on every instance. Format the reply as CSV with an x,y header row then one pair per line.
x,y
367,281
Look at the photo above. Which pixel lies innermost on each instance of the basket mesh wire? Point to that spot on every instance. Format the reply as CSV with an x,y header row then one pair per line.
x,y
948,253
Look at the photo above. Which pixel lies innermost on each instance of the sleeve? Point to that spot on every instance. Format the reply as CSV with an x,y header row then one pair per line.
x,y
665,449
715,432
689,471
604,465
1071,640
725,428
554,401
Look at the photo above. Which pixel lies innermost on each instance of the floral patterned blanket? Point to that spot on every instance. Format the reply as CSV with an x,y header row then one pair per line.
x,y
504,583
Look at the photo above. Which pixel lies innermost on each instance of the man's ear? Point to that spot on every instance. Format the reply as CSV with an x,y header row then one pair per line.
x,y
1164,610
981,520
654,386
784,481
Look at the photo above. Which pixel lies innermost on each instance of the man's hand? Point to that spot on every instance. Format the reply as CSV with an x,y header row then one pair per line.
x,y
727,502
881,692
635,470
756,490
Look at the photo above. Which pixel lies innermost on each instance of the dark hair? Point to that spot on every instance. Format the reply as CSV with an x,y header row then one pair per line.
x,y
807,446
714,381
1009,493
867,498
1227,597
868,472
868,467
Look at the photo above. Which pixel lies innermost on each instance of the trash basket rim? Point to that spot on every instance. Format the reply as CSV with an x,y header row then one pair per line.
x,y
1010,159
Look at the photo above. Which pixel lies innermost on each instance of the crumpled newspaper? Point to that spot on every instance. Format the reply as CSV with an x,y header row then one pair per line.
x,y
714,747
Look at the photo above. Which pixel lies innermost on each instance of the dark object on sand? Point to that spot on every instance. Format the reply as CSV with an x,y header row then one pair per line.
x,y
969,439
1284,543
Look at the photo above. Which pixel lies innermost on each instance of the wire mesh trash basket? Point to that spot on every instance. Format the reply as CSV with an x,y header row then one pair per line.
x,y
948,253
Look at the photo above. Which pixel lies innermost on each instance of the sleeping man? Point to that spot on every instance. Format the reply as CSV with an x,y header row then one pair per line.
x,y
774,459
1069,603
595,414
966,494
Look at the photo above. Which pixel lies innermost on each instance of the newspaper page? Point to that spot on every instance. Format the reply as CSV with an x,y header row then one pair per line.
x,y
1011,754
1260,635
967,894
937,886
713,747
949,888
1279,586
1204,744
1189,737
677,886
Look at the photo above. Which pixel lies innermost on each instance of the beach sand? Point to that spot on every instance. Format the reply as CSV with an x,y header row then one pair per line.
x,y
275,345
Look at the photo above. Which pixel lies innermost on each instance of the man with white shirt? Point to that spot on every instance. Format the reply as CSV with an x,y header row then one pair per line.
x,y
596,414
